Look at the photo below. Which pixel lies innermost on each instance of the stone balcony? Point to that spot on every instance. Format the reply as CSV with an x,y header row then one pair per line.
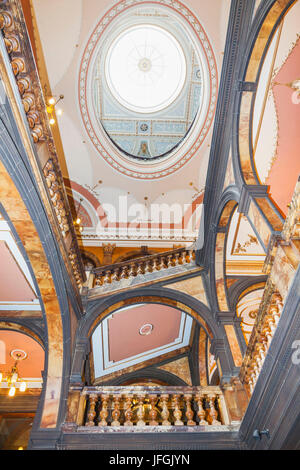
x,y
141,272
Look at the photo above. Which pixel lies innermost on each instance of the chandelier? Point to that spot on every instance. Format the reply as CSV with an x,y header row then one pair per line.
x,y
12,378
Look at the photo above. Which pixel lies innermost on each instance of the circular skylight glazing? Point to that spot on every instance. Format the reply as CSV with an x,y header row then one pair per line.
x,y
147,87
145,68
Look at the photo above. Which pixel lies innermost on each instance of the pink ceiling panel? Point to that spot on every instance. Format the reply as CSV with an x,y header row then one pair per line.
x,y
286,168
14,286
123,330
29,367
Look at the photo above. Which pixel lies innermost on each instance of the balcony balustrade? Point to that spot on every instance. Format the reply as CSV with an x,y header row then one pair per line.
x,y
142,271
151,407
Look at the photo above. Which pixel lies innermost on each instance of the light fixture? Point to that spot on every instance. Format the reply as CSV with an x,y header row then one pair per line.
x,y
146,329
13,378
51,107
77,221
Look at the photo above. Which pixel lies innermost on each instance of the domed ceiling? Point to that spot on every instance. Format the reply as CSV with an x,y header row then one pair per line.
x,y
140,82
147,90
148,87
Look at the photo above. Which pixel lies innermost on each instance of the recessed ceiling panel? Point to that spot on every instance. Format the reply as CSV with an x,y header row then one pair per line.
x,y
14,285
137,334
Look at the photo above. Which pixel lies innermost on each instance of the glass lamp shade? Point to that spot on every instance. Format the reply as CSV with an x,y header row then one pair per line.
x,y
12,391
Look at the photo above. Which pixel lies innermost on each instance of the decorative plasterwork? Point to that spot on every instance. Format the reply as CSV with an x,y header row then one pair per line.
x,y
247,309
189,147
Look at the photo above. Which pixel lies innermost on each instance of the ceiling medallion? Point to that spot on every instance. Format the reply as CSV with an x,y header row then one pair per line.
x,y
167,155
146,329
18,354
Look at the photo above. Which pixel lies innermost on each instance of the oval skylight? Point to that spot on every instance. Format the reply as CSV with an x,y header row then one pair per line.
x,y
145,68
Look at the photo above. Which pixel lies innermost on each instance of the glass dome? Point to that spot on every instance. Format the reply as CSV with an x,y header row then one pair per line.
x,y
145,68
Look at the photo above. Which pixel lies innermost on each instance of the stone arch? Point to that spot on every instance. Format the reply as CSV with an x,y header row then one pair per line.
x,y
15,326
28,215
155,374
90,256
243,287
266,21
97,310
219,291
100,309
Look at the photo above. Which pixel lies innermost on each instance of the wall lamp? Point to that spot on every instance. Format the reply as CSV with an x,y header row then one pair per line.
x,y
52,102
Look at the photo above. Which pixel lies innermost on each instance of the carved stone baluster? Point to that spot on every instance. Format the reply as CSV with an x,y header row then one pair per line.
x,y
140,269
148,267
153,412
123,273
274,311
128,411
165,412
176,259
141,412
213,412
92,413
156,264
267,334
185,257
115,275
116,410
177,413
106,277
169,261
131,271
18,65
201,411
23,84
6,20
104,411
12,43
37,133
161,263
189,412
99,280
279,303
28,101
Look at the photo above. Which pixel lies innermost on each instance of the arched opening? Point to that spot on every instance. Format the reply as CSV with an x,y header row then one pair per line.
x,y
22,349
148,335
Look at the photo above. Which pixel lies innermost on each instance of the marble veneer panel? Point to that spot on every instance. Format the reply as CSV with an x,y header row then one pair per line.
x,y
234,345
219,271
261,226
19,216
180,368
193,287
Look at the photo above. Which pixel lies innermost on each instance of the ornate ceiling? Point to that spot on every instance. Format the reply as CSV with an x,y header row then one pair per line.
x,y
96,133
147,105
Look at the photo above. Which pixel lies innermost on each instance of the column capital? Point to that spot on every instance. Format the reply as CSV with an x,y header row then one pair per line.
x,y
226,318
